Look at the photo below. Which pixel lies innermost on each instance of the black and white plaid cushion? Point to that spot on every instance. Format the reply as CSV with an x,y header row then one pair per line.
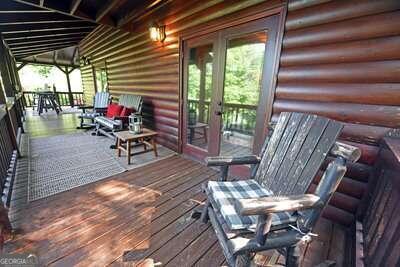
x,y
224,194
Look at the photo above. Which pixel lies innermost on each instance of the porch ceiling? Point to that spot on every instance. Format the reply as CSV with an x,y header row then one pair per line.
x,y
32,27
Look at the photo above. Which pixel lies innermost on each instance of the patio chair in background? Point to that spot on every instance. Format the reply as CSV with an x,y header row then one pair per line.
x,y
112,122
89,113
273,210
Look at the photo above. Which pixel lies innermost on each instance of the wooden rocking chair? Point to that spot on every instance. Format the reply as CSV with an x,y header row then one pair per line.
x,y
100,103
272,210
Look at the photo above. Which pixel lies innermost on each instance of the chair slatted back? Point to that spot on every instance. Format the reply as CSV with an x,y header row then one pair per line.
x,y
101,100
131,101
295,152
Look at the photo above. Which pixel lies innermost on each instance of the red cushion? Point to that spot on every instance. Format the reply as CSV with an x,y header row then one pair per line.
x,y
126,111
113,110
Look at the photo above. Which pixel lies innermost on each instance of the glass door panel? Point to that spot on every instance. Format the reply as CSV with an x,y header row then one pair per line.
x,y
244,61
199,95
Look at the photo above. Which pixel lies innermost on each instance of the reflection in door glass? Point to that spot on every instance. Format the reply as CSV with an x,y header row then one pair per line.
x,y
242,84
199,95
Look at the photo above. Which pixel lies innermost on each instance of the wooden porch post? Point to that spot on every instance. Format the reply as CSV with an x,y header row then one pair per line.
x,y
5,72
202,91
71,98
10,128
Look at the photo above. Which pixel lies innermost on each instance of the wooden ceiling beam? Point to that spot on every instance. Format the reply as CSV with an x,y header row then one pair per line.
x,y
39,50
33,46
17,43
44,34
105,9
47,48
28,61
28,23
55,55
15,18
74,6
51,26
15,7
76,14
76,50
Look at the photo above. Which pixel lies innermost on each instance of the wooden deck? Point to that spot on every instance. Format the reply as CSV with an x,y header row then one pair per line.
x,y
50,123
138,216
134,218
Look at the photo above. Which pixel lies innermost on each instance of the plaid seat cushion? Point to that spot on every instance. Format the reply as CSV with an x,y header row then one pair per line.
x,y
223,197
109,123
89,115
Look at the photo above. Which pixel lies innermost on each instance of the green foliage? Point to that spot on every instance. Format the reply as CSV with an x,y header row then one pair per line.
x,y
43,70
242,81
243,73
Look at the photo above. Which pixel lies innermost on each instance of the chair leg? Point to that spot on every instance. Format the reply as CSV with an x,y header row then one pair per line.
x,y
204,215
96,131
243,260
293,256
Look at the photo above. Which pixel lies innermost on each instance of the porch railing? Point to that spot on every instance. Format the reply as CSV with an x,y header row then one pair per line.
x,y
63,98
11,128
378,234
236,117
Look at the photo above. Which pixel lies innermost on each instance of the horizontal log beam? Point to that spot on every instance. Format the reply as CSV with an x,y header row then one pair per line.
x,y
386,116
385,24
337,11
372,93
364,72
376,49
132,14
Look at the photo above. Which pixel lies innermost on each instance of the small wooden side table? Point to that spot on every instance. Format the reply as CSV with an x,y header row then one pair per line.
x,y
192,131
146,138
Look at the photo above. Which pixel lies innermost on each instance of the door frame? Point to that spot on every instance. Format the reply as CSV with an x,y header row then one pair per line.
x,y
196,152
279,11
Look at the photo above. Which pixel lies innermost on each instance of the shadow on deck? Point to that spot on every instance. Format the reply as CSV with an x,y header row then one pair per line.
x,y
138,217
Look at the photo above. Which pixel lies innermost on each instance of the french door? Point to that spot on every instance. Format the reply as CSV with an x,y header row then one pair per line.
x,y
227,81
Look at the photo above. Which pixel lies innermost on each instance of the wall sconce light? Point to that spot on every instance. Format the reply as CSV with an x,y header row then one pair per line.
x,y
157,33
86,60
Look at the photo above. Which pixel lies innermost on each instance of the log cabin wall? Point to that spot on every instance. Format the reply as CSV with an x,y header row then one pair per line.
x,y
340,59
137,65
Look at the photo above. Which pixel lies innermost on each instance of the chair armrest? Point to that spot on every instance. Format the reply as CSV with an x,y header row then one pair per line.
x,y
227,161
266,205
